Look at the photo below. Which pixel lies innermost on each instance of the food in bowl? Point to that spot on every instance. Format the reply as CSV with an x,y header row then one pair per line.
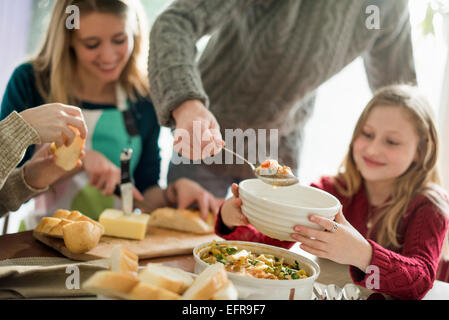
x,y
273,168
247,263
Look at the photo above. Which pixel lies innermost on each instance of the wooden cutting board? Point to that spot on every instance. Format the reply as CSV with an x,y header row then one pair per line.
x,y
157,243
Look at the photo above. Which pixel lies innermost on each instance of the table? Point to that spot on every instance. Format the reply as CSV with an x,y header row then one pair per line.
x,y
20,245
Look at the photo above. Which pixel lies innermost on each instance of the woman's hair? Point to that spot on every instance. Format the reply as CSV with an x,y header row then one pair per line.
x,y
55,64
421,178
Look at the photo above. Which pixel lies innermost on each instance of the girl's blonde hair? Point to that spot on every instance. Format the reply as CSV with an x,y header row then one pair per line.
x,y
55,64
421,178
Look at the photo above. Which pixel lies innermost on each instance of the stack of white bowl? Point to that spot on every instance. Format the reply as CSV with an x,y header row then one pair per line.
x,y
274,211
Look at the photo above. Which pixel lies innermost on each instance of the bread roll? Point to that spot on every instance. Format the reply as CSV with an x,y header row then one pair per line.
x,y
111,284
81,236
123,260
146,291
67,157
182,220
207,284
172,279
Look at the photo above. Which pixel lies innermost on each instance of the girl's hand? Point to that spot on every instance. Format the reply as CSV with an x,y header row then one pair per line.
x,y
185,192
344,245
41,171
103,174
51,122
231,213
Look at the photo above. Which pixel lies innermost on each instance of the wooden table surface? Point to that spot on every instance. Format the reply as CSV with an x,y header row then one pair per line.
x,y
21,245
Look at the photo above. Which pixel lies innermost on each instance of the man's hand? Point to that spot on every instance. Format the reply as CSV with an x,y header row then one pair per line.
x,y
197,134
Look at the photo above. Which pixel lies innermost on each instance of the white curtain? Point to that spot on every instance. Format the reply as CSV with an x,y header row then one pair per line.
x,y
444,114
15,19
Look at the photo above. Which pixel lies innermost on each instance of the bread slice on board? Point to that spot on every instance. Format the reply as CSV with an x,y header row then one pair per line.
x,y
123,260
182,220
207,284
173,279
227,292
146,291
111,284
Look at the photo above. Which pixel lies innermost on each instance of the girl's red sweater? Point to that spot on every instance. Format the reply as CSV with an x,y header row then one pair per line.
x,y
404,274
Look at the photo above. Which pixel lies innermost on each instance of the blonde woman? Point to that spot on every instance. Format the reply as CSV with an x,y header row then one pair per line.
x,y
100,67
395,215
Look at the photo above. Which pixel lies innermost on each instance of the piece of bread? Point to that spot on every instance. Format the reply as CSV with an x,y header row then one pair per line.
x,y
123,260
182,220
56,231
78,216
111,284
172,279
146,291
207,284
81,236
67,157
62,214
46,224
227,292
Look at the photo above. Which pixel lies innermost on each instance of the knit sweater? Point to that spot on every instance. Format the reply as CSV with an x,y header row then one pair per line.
x,y
266,59
407,273
15,137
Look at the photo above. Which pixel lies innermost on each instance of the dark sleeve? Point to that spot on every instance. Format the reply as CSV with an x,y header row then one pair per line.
x,y
173,72
21,94
147,171
390,59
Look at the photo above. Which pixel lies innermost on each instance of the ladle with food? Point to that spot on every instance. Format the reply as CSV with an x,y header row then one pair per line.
x,y
270,171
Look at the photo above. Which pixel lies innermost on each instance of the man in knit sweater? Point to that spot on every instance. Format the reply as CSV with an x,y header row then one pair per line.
x,y
263,64
48,123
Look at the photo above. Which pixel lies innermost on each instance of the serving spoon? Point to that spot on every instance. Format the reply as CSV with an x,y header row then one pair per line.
x,y
272,179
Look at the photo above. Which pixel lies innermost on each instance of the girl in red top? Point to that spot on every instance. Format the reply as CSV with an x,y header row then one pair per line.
x,y
395,218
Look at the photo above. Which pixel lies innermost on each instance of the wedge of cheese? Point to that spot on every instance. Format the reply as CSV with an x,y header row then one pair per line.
x,y
117,224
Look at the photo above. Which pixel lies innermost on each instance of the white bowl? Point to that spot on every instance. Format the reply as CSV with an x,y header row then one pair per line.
x,y
275,211
266,289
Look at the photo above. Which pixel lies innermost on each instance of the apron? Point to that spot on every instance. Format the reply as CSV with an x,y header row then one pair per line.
x,y
108,134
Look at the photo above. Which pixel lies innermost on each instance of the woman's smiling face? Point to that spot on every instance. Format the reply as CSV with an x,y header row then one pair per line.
x,y
102,46
387,144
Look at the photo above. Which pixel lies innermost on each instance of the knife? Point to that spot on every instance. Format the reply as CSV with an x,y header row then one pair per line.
x,y
126,186
140,204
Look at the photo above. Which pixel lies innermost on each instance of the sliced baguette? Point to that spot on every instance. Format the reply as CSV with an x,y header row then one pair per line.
x,y
227,292
81,236
182,220
111,284
46,224
56,231
123,260
173,279
207,284
146,291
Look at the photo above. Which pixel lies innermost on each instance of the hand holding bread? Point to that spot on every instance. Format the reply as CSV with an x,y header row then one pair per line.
x,y
52,121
